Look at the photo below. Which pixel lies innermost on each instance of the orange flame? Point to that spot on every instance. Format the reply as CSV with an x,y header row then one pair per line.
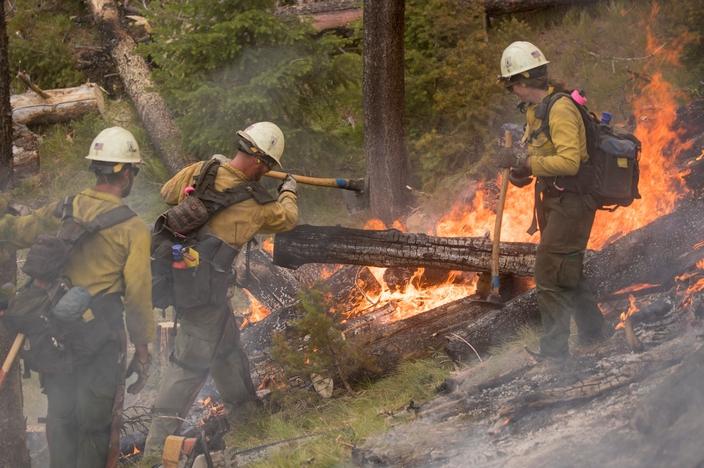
x,y
256,312
268,246
632,309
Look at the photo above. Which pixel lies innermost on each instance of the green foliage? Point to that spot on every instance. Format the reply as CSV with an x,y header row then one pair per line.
x,y
452,95
223,65
317,345
343,421
40,33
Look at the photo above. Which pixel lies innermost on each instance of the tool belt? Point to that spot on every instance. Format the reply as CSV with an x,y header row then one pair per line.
x,y
201,285
552,187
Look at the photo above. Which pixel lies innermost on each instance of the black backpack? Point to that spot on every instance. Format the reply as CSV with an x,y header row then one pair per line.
x,y
612,173
207,282
48,309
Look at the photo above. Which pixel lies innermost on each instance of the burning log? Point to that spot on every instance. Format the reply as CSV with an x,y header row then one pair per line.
x,y
654,254
349,287
392,248
392,341
274,287
61,105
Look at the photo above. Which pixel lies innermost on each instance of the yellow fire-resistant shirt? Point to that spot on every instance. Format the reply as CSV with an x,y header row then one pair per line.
x,y
116,259
237,223
568,149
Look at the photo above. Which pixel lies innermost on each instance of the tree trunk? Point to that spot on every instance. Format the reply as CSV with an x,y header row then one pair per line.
x,y
13,447
136,76
383,83
654,254
62,104
391,248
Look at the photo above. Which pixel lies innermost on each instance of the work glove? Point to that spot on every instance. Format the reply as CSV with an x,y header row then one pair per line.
x,y
507,157
288,185
142,370
520,177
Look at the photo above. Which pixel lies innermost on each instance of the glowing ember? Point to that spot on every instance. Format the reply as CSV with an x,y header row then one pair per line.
x,y
210,409
635,288
268,246
256,312
632,309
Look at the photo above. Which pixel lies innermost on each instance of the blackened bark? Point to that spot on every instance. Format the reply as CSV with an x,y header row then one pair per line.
x,y
392,248
274,287
13,447
384,143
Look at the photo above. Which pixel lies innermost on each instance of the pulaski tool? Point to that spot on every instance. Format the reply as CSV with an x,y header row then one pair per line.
x,y
495,296
355,190
11,356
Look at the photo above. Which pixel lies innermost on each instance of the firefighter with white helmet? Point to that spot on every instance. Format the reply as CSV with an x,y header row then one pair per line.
x,y
556,152
113,266
207,341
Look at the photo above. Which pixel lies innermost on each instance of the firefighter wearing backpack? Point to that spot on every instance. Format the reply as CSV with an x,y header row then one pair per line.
x,y
564,216
110,266
208,338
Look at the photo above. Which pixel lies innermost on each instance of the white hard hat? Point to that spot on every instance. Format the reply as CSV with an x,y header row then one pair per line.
x,y
266,138
116,145
520,57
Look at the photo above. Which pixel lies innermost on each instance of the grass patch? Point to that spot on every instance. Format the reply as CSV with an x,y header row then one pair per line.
x,y
345,421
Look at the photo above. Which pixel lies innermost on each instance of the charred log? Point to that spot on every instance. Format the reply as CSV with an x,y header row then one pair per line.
x,y
654,254
136,76
392,341
276,288
392,248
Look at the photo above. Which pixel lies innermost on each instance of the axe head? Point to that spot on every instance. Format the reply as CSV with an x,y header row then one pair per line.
x,y
357,199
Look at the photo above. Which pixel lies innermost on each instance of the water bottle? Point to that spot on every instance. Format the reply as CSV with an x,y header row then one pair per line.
x,y
178,262
606,118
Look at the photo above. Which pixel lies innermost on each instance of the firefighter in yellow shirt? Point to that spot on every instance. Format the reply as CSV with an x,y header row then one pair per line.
x,y
207,340
564,215
113,265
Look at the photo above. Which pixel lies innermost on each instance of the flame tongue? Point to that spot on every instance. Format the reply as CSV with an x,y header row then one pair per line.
x,y
632,309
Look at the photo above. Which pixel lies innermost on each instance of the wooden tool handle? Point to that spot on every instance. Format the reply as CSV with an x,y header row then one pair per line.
x,y
356,185
508,143
11,356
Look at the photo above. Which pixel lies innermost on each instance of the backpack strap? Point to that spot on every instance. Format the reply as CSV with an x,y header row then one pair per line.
x,y
64,210
206,178
542,112
110,218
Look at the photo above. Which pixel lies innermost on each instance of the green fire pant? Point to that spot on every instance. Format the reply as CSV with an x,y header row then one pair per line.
x,y
207,341
80,409
562,289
